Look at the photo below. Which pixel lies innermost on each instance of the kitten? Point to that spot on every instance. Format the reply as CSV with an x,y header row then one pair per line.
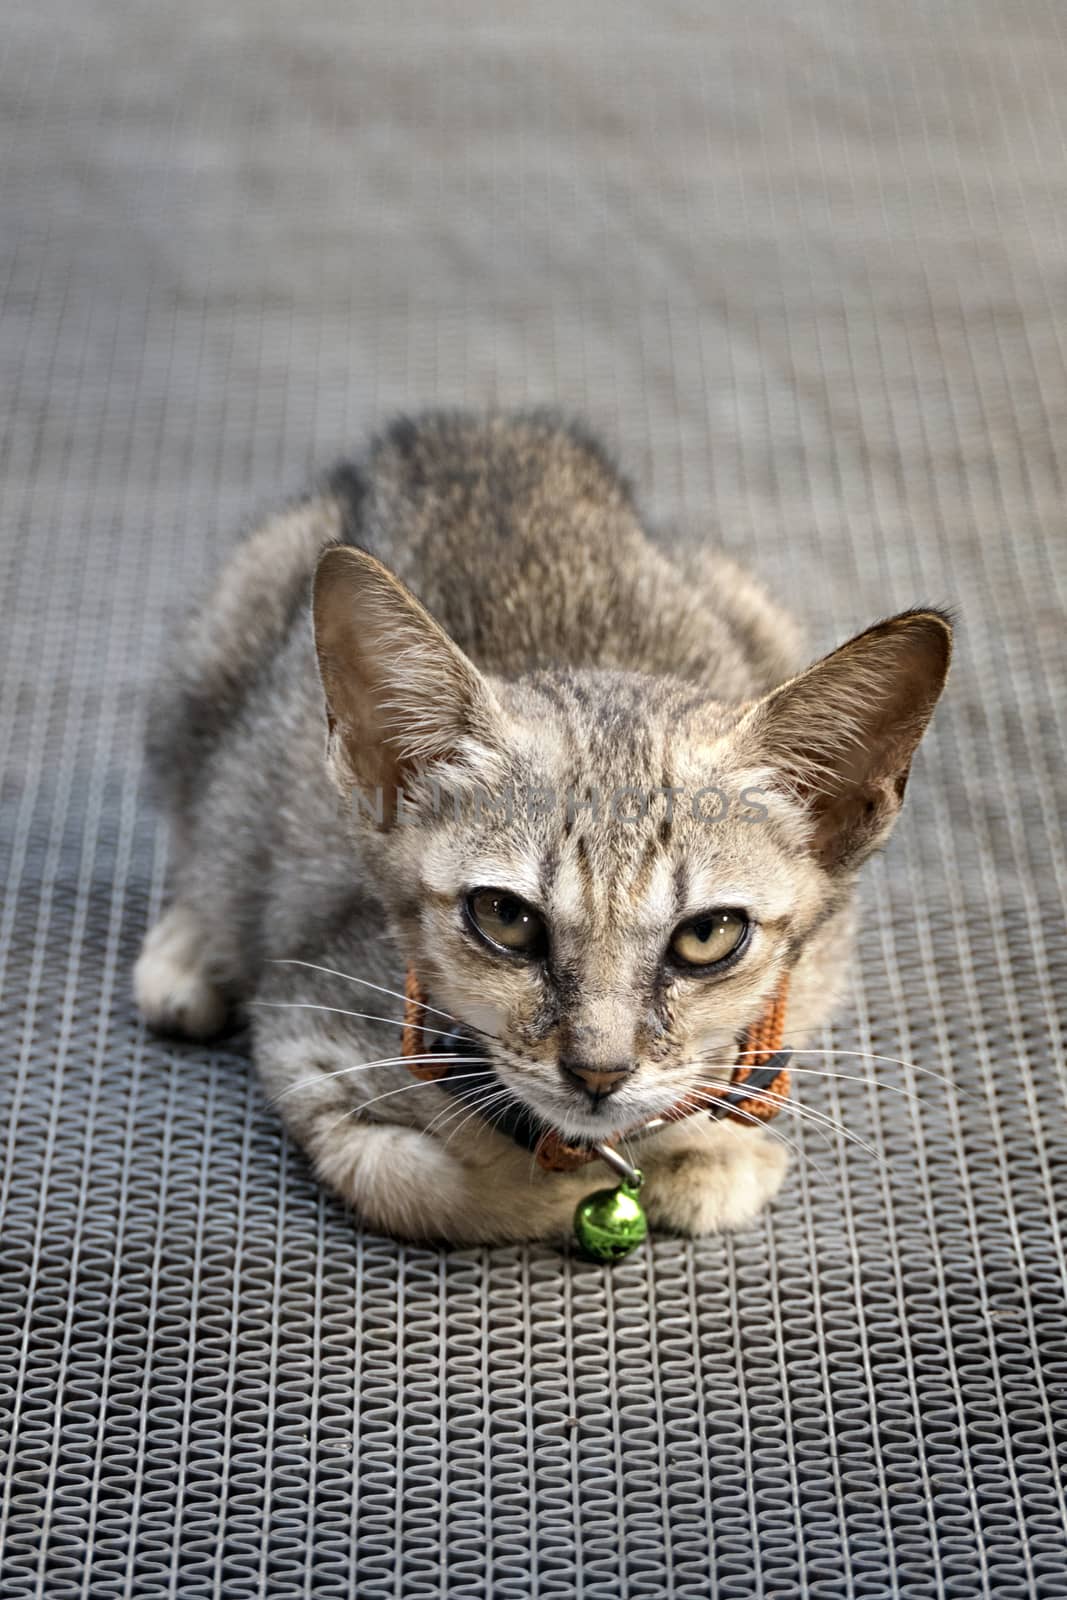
x,y
440,790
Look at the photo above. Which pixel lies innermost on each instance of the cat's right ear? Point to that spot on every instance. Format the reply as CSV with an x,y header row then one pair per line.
x,y
401,698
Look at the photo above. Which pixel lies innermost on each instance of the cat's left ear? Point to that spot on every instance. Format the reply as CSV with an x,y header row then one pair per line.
x,y
842,735
401,698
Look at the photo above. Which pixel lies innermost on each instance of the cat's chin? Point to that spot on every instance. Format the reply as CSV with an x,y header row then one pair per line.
x,y
608,1121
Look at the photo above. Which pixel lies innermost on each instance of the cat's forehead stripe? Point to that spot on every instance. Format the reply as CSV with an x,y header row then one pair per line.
x,y
643,898
658,902
572,886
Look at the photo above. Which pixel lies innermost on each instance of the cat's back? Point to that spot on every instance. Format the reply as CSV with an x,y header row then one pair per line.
x,y
526,542
520,536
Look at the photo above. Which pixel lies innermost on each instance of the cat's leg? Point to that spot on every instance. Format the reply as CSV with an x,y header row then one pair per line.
x,y
484,1189
173,981
411,1185
407,1156
721,1180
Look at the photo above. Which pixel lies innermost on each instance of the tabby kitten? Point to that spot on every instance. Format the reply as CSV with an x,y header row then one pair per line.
x,y
429,777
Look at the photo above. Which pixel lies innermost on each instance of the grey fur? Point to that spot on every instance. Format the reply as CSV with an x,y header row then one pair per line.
x,y
607,665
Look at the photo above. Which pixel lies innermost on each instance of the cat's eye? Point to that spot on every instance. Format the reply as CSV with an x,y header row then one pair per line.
x,y
506,922
710,938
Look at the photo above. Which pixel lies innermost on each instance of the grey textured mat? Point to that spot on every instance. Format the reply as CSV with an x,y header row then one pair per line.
x,y
804,265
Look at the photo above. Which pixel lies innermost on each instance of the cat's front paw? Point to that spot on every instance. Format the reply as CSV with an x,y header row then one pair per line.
x,y
719,1184
171,982
407,1183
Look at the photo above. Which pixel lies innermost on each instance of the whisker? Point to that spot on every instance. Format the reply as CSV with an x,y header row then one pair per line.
x,y
461,1123
802,1114
332,972
708,1127
858,1077
446,1113
366,1066
540,1124
420,1083
458,1103
405,1088
765,1097
336,1011
862,1055
478,1108
768,1097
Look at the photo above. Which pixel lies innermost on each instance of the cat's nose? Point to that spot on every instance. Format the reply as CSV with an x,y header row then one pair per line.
x,y
598,1082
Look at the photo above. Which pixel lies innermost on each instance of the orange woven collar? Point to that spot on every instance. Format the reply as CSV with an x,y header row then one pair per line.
x,y
762,1066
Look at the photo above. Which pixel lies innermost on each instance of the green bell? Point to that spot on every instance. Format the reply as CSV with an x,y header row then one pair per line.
x,y
609,1223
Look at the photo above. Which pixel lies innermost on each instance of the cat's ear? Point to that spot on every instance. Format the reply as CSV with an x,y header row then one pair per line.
x,y
401,698
842,735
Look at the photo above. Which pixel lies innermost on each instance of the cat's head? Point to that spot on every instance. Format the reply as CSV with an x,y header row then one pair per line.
x,y
608,875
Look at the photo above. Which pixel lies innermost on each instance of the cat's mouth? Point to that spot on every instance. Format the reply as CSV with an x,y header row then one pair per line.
x,y
580,1121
